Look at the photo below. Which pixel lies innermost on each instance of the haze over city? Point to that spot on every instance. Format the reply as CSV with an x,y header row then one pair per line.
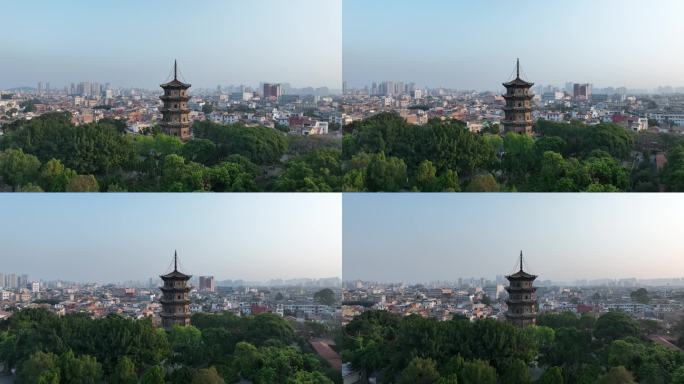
x,y
564,237
124,237
220,42
473,45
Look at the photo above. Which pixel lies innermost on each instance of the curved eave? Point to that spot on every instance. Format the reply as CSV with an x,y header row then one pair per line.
x,y
517,82
175,275
176,84
521,275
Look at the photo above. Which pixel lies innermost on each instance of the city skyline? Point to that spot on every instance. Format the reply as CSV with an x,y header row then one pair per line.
x,y
235,42
437,237
473,45
122,237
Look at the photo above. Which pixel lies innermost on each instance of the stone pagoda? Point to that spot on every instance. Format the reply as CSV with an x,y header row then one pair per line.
x,y
518,108
522,299
175,299
175,120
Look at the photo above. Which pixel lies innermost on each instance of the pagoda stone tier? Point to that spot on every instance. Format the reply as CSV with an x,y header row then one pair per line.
x,y
518,108
175,111
175,298
522,297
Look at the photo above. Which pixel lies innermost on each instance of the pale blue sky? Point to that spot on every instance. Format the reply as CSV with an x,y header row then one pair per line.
x,y
133,42
429,237
474,44
120,237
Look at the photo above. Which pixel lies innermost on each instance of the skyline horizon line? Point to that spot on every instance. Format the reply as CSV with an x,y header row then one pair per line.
x,y
489,279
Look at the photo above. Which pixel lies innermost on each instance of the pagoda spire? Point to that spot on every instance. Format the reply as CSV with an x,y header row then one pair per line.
x,y
175,260
175,69
521,260
517,70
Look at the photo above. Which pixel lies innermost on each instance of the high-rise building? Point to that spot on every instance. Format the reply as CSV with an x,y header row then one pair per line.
x,y
522,297
12,281
175,120
389,88
207,284
41,88
581,91
95,89
272,91
518,108
175,299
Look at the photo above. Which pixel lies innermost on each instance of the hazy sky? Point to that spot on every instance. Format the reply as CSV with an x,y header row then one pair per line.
x,y
428,237
120,237
474,44
133,42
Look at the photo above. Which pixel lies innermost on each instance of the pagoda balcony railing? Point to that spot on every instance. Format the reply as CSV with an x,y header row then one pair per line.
x,y
521,303
175,315
176,110
519,97
175,289
523,109
179,98
521,315
175,301
176,124
517,122
521,289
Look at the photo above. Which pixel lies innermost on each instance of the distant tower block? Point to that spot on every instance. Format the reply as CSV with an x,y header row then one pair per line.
x,y
175,300
175,121
518,109
522,297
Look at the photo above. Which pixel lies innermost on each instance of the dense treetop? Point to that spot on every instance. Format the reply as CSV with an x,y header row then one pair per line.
x,y
562,348
380,153
219,348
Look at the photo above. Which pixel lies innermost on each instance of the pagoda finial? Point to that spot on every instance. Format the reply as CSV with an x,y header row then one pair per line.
x,y
175,69
175,260
521,260
517,73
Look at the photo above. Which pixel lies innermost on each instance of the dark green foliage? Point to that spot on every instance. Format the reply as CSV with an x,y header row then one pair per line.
x,y
673,172
615,325
88,149
381,153
581,139
379,341
18,168
446,145
325,296
640,296
420,371
553,375
260,145
567,348
617,375
77,349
